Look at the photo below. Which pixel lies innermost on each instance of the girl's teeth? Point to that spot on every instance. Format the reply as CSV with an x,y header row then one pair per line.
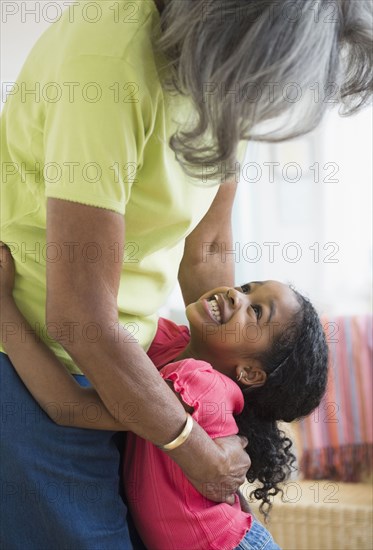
x,y
215,310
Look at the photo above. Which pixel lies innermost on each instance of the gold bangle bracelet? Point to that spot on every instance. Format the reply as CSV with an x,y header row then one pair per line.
x,y
180,438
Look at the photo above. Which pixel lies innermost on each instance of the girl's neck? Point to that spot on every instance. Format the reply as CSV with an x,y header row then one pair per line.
x,y
190,353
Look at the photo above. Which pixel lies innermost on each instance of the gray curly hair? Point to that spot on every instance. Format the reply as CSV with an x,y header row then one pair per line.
x,y
243,63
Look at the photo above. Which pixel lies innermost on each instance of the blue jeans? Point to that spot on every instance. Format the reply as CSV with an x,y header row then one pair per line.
x,y
59,486
258,538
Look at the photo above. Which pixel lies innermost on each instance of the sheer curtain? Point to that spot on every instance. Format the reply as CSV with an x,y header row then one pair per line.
x,y
304,207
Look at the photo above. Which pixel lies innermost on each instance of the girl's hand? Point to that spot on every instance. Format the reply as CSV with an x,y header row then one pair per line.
x,y
7,272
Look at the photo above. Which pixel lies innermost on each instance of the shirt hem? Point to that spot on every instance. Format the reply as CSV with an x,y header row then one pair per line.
x,y
99,203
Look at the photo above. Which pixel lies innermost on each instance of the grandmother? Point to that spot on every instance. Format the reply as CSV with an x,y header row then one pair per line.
x,y
121,143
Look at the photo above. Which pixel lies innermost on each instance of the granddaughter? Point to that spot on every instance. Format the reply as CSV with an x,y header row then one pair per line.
x,y
254,355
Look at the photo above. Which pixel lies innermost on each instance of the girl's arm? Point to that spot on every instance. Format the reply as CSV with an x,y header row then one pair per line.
x,y
46,378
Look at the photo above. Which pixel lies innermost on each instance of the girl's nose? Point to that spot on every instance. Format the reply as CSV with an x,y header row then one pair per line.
x,y
235,297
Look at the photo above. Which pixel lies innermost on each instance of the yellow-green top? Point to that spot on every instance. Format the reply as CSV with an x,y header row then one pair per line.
x,y
88,121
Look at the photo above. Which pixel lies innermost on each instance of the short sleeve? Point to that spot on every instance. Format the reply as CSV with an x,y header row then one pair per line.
x,y
95,132
214,397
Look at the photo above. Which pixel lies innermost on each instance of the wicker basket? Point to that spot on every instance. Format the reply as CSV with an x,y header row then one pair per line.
x,y
318,515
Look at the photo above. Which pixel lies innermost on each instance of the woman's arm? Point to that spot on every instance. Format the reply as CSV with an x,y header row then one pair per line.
x,y
46,378
79,292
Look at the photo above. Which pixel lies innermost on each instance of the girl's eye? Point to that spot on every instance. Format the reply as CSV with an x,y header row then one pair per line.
x,y
258,311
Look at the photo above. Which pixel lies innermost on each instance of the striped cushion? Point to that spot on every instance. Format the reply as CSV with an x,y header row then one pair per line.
x,y
337,437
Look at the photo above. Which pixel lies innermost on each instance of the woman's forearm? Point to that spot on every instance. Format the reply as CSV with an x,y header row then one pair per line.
x,y
48,381
204,461
125,378
81,293
65,401
122,374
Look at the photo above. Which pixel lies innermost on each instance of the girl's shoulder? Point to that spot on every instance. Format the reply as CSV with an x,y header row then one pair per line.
x,y
169,340
200,384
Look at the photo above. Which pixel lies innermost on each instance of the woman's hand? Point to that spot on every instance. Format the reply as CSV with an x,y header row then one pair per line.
x,y
220,468
233,468
7,272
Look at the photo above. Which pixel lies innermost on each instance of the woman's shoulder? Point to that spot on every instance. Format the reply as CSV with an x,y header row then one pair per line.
x,y
118,33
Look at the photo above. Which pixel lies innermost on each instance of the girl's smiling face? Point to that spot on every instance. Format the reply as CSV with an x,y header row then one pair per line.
x,y
229,325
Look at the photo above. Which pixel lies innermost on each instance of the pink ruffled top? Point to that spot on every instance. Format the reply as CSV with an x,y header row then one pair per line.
x,y
169,513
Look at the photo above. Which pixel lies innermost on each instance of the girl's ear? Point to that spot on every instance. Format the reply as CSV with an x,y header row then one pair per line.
x,y
250,376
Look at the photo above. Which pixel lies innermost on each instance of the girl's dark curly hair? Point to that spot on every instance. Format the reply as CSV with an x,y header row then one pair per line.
x,y
297,369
